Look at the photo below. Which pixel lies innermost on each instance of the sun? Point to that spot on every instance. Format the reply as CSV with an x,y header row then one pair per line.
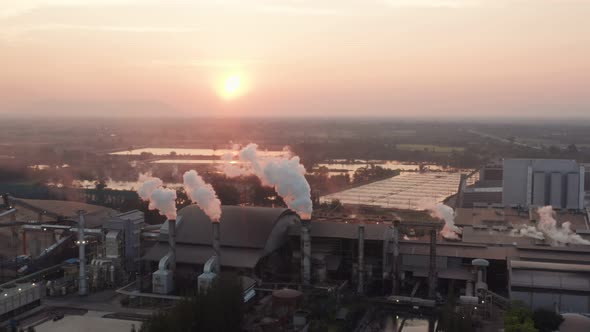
x,y
233,86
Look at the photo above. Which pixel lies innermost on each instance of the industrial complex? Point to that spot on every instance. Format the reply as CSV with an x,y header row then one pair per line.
x,y
521,232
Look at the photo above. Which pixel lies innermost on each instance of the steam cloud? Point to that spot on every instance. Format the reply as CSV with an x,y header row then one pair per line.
x,y
160,198
285,174
441,211
148,185
547,228
202,194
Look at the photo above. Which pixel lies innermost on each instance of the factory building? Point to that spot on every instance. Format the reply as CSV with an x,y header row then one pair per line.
x,y
251,240
517,267
541,182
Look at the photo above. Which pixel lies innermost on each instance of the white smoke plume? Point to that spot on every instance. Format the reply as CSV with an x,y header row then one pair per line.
x,y
160,198
164,200
441,211
285,173
202,194
147,186
232,168
547,228
528,231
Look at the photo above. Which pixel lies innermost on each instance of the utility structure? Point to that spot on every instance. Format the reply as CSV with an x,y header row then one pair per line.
x,y
391,253
83,280
217,244
361,260
306,252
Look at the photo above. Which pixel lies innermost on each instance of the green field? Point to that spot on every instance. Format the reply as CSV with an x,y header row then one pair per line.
x,y
430,148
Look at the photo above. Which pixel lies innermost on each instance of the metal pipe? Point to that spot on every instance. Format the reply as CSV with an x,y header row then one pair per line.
x,y
432,265
396,273
305,252
216,243
83,282
172,243
361,262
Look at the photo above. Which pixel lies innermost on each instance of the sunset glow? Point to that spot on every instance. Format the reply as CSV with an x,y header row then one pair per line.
x,y
232,86
384,57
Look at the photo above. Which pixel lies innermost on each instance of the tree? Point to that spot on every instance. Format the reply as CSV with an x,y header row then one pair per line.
x,y
219,309
572,148
519,318
547,320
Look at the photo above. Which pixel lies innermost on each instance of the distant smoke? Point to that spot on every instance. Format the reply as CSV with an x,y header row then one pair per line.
x,y
441,211
202,194
547,228
160,198
284,173
147,186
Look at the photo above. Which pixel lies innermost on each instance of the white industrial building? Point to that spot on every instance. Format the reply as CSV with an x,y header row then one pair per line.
x,y
541,182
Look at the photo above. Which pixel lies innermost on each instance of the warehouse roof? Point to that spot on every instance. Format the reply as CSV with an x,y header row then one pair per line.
x,y
243,227
246,235
510,216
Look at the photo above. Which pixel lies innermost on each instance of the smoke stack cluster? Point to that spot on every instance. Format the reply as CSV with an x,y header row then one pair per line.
x,y
202,194
159,198
285,174
441,211
547,229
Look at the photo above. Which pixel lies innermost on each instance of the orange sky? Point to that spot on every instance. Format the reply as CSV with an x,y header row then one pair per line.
x,y
296,57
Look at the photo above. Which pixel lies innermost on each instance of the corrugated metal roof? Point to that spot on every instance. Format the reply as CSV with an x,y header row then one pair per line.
x,y
198,255
530,265
550,280
341,230
243,227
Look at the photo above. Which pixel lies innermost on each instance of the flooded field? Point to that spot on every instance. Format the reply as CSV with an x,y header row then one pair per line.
x,y
187,152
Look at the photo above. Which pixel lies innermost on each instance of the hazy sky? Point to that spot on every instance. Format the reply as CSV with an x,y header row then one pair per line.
x,y
296,57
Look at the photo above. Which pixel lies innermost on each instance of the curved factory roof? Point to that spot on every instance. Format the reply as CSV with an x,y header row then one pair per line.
x,y
246,235
240,226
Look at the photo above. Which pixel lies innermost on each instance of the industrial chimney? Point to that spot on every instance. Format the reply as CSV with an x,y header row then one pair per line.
x,y
361,262
216,242
305,252
83,281
172,243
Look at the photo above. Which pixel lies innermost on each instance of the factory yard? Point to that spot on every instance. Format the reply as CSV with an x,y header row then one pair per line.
x,y
406,191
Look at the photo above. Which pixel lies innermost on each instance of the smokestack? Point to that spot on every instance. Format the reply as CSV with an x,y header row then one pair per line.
x,y
172,243
83,282
432,266
361,263
305,252
395,277
217,243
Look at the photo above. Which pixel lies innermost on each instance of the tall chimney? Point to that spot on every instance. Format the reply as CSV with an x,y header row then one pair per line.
x,y
217,243
83,281
172,243
305,252
396,273
432,265
361,263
